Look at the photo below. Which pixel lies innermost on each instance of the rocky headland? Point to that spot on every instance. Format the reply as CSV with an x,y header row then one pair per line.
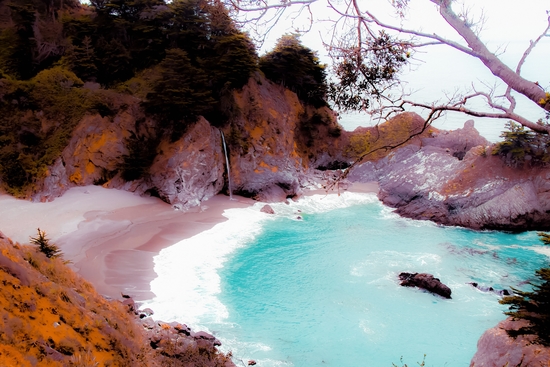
x,y
452,178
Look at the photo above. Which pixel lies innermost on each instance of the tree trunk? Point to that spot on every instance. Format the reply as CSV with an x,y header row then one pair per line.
x,y
523,86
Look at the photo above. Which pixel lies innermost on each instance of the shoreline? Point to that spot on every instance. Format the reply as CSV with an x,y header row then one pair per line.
x,y
111,236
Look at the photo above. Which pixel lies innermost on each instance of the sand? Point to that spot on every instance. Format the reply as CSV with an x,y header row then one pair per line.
x,y
111,236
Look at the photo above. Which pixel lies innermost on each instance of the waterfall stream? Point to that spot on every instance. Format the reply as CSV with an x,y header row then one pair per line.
x,y
228,169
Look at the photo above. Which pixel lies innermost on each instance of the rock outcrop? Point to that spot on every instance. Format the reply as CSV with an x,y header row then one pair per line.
x,y
188,171
425,281
464,185
496,348
269,156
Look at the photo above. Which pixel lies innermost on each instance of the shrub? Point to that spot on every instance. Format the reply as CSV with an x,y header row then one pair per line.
x,y
533,306
521,145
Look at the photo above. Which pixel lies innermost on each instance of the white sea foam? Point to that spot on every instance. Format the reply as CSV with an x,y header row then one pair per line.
x,y
322,203
188,283
544,250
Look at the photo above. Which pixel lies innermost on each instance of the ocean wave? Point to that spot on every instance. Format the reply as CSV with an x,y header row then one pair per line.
x,y
188,283
319,203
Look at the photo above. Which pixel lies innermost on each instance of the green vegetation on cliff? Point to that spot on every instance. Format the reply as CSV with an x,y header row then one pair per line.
x,y
297,68
533,306
181,58
523,146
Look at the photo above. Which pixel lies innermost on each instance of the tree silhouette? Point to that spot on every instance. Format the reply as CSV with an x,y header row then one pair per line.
x,y
297,68
49,249
181,94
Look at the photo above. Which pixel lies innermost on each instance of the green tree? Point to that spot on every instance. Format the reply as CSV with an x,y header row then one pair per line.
x,y
364,74
45,246
235,60
181,94
297,68
534,307
83,60
17,43
521,144
115,62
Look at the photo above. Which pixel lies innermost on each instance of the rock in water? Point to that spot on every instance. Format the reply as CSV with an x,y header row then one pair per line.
x,y
425,281
267,209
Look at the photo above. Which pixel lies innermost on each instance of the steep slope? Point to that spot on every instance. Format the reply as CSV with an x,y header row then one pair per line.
x,y
52,317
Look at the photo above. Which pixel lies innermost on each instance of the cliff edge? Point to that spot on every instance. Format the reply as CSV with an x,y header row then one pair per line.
x,y
452,178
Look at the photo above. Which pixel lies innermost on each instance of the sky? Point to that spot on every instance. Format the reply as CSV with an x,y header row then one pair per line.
x,y
439,70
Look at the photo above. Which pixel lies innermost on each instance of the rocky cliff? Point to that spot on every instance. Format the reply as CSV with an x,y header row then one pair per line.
x,y
269,139
496,349
453,179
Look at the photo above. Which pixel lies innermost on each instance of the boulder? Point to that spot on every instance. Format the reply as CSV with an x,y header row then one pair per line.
x,y
496,348
267,209
489,289
145,313
204,336
190,170
425,281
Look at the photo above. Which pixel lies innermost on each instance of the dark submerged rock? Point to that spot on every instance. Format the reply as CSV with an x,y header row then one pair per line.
x,y
425,281
500,292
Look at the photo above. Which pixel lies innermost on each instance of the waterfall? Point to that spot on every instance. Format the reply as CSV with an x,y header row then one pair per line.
x,y
228,169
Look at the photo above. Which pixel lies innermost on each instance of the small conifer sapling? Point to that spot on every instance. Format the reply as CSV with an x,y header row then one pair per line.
x,y
49,249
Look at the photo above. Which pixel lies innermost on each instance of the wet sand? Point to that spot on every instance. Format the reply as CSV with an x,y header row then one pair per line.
x,y
111,236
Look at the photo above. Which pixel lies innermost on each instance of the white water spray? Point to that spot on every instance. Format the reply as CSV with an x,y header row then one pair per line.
x,y
228,169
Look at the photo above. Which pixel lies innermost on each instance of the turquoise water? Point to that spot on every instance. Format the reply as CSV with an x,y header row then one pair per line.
x,y
323,291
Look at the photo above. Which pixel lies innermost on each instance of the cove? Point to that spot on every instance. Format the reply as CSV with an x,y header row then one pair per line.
x,y
323,290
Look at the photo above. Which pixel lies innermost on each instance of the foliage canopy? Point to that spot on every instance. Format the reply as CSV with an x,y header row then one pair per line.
x,y
533,306
521,145
296,67
183,55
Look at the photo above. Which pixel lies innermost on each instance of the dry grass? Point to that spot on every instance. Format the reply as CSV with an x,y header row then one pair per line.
x,y
49,316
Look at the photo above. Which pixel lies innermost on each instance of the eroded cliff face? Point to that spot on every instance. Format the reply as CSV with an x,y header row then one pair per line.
x,y
496,349
268,140
275,141
453,179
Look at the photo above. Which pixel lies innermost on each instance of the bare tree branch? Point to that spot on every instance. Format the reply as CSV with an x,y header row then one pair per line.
x,y
354,29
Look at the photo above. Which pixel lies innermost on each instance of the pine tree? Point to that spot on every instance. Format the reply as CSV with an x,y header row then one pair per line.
x,y
297,68
534,307
181,94
49,249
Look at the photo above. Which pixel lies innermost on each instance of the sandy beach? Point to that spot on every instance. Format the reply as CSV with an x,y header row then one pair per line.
x,y
111,236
